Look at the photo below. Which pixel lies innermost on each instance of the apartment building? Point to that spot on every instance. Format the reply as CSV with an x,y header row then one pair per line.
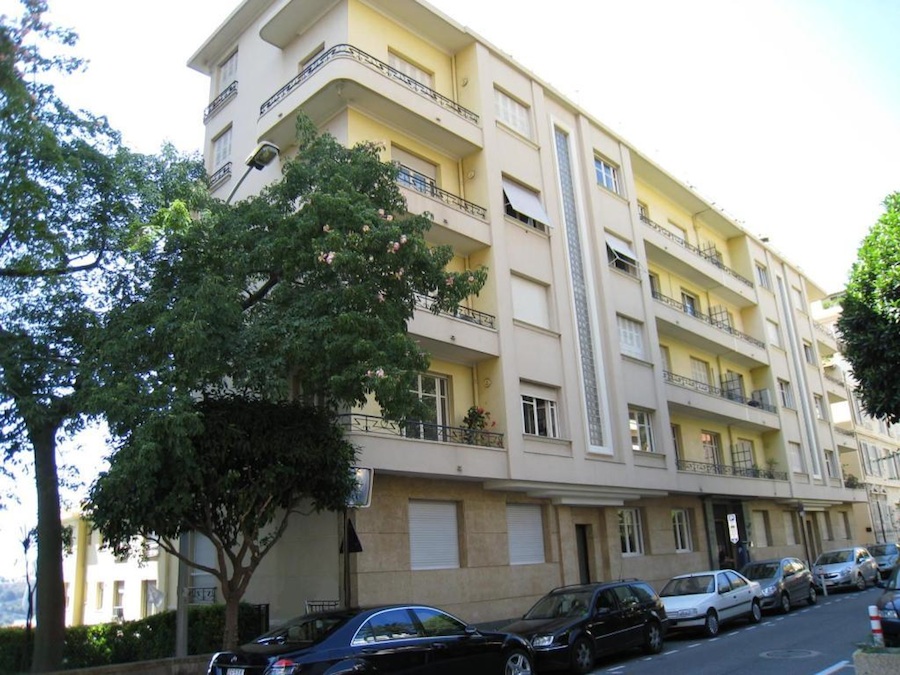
x,y
656,379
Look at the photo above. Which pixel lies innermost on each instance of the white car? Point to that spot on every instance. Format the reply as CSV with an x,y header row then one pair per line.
x,y
705,600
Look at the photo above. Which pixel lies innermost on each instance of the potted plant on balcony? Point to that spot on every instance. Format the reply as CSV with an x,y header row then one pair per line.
x,y
474,422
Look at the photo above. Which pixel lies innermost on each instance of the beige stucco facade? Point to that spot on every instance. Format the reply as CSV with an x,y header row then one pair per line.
x,y
652,369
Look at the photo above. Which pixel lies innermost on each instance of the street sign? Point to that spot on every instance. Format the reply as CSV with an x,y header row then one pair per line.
x,y
732,528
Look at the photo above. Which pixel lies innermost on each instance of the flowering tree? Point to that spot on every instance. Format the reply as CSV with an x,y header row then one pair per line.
x,y
303,291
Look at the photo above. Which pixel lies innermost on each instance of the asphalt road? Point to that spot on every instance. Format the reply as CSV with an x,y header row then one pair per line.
x,y
817,640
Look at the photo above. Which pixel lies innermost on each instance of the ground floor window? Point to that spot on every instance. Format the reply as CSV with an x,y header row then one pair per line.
x,y
433,535
630,532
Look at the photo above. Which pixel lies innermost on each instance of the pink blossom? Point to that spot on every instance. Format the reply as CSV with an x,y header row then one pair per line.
x,y
327,228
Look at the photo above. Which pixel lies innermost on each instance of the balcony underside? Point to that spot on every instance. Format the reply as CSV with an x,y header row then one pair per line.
x,y
694,404
462,231
692,331
456,339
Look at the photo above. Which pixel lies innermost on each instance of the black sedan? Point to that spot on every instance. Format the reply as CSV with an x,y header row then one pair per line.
x,y
889,607
390,639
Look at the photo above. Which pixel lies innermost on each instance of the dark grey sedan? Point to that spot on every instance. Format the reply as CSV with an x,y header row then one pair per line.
x,y
785,582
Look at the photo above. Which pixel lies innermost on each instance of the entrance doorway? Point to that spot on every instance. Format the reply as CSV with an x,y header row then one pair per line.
x,y
583,549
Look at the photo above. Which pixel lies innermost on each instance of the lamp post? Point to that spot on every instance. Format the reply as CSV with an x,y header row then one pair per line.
x,y
264,154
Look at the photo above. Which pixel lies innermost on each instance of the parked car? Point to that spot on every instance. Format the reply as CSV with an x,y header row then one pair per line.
x,y
886,555
888,605
572,625
852,567
706,600
387,639
784,582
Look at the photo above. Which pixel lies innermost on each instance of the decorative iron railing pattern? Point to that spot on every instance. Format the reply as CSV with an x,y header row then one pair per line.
x,y
420,430
220,175
726,470
721,325
348,51
845,432
219,101
709,257
838,381
459,312
706,388
201,596
425,184
825,330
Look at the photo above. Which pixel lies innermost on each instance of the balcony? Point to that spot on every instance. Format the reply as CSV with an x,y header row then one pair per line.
x,y
420,431
845,439
713,335
462,335
704,267
836,388
220,176
708,468
220,101
345,74
719,405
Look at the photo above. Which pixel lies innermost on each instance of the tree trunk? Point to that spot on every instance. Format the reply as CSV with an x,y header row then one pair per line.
x,y
50,630
232,608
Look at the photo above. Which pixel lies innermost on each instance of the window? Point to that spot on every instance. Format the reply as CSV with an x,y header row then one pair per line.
x,y
228,72
773,333
689,303
654,284
790,533
411,70
222,148
433,535
119,599
795,457
512,113
846,517
762,535
539,416
742,454
414,172
676,440
98,595
525,528
530,302
797,296
639,423
631,337
679,232
808,353
630,532
681,528
700,371
666,358
620,255
712,447
643,211
151,596
733,386
524,205
785,393
762,277
828,528
820,407
432,393
391,624
607,175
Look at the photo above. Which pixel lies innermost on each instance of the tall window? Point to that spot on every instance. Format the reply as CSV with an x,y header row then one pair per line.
x,y
524,205
666,358
228,71
762,277
785,393
530,302
433,535
773,333
607,174
712,447
630,532
790,534
742,453
525,528
700,371
432,392
762,535
643,211
99,592
119,599
676,440
414,172
795,457
846,517
620,255
690,303
539,416
681,528
411,70
152,598
820,407
631,337
512,113
639,423
797,295
808,353
222,148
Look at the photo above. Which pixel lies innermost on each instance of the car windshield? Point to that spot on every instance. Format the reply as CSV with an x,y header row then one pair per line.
x,y
883,549
701,584
757,571
834,557
305,629
574,603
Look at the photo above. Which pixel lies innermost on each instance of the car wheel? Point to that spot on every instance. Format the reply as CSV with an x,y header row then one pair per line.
x,y
756,611
860,582
653,638
518,663
711,626
582,656
785,603
813,596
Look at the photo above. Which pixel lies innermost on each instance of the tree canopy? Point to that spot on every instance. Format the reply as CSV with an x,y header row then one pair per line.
x,y
302,292
869,323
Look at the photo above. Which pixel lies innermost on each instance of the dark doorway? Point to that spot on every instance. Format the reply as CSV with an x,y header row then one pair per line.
x,y
582,543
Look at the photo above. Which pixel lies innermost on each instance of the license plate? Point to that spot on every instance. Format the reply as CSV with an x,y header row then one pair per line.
x,y
234,671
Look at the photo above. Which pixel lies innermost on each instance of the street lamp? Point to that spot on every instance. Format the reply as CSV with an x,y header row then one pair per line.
x,y
264,154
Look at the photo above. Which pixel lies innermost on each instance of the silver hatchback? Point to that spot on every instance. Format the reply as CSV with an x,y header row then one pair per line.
x,y
852,567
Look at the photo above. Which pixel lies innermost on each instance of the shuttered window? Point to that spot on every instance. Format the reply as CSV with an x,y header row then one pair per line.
x,y
526,534
433,535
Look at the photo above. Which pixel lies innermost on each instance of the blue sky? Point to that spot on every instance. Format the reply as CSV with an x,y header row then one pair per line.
x,y
785,113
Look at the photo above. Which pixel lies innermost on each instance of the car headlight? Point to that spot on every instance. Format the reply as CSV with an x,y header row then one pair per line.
x,y
542,640
888,613
769,590
846,570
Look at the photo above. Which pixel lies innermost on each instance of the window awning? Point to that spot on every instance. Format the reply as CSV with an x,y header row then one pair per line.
x,y
525,202
620,246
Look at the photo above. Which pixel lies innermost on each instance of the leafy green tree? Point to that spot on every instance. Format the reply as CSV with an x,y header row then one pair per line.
x,y
67,191
869,323
302,292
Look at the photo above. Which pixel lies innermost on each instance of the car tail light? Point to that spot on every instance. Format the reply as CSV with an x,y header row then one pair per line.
x,y
283,667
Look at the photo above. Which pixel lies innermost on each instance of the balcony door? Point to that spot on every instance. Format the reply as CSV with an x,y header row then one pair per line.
x,y
432,392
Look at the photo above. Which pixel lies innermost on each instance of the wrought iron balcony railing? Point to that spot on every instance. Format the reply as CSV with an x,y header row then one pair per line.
x,y
459,312
201,596
727,470
721,325
709,257
425,184
348,51
706,388
420,430
219,101
220,175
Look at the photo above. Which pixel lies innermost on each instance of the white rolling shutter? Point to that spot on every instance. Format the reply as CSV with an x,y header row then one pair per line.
x,y
526,534
433,535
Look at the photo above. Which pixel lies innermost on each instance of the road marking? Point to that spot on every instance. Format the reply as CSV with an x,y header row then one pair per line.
x,y
696,644
840,665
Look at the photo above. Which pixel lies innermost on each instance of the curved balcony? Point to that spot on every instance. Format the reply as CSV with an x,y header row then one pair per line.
x,y
220,101
720,405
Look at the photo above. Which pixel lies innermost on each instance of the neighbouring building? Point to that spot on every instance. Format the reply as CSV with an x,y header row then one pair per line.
x,y
659,386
